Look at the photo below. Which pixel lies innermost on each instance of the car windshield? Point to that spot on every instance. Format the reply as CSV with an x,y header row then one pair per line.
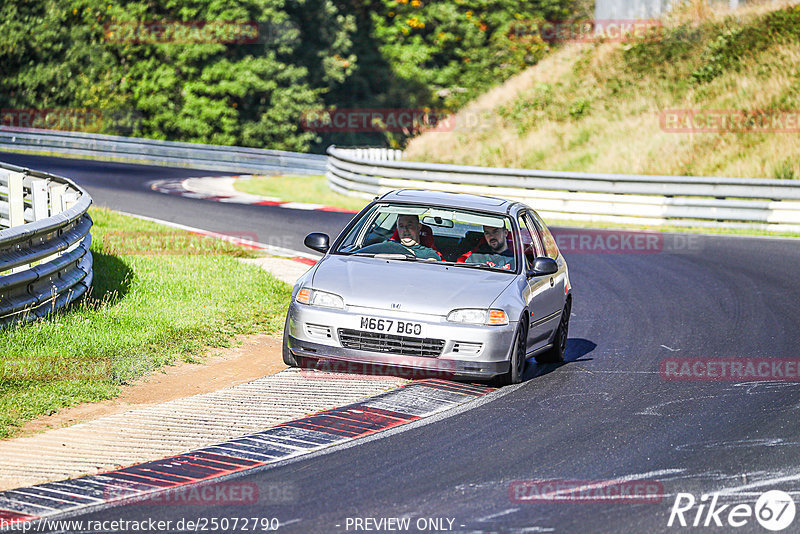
x,y
465,238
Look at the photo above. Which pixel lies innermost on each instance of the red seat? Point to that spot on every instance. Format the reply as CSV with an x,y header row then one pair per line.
x,y
425,236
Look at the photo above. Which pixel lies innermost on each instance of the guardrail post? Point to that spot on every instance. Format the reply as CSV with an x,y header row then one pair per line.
x,y
69,200
39,199
16,200
57,198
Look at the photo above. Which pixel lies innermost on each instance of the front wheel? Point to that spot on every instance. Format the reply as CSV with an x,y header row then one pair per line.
x,y
556,353
288,357
519,353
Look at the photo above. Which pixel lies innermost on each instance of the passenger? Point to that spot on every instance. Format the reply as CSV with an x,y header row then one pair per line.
x,y
408,233
496,254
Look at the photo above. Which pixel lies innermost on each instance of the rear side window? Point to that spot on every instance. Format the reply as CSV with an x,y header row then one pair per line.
x,y
550,246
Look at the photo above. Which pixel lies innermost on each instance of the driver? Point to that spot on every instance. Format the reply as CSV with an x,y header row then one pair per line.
x,y
497,254
408,233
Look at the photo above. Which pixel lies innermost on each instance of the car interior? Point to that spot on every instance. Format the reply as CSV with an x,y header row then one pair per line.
x,y
437,233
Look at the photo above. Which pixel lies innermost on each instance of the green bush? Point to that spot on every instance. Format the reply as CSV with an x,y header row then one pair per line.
x,y
310,54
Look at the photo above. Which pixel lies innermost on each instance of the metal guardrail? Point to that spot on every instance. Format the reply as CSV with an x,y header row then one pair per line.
x,y
615,198
166,153
45,262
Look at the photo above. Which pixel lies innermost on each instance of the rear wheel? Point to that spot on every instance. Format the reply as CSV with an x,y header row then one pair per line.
x,y
555,354
519,354
288,357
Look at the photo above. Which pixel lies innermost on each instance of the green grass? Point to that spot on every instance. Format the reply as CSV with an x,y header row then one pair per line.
x,y
159,296
313,189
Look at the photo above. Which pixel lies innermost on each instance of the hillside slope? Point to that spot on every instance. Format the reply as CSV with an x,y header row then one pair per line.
x,y
609,107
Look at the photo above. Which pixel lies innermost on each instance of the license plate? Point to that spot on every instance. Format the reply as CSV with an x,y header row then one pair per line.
x,y
391,326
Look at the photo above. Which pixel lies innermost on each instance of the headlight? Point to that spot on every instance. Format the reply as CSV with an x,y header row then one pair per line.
x,y
478,316
314,297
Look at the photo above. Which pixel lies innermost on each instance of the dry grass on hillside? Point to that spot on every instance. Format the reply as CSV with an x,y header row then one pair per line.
x,y
597,107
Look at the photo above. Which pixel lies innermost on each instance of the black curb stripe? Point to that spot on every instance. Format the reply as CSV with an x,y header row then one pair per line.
x,y
75,488
241,453
56,495
289,443
312,437
280,445
23,507
376,416
155,475
388,413
202,462
109,483
340,432
20,496
350,424
153,483
464,389
224,458
245,444
369,416
267,447
181,467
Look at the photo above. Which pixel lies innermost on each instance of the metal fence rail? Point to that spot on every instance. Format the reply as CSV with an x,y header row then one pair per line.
x,y
615,198
167,153
45,262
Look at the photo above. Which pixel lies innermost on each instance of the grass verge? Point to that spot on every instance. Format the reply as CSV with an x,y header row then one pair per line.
x,y
158,296
290,188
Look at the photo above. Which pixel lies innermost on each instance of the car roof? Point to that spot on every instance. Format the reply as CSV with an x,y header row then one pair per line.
x,y
453,200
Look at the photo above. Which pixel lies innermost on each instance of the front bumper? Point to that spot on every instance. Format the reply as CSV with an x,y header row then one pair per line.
x,y
469,351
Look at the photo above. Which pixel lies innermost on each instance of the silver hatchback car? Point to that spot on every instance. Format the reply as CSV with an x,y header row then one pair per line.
x,y
441,284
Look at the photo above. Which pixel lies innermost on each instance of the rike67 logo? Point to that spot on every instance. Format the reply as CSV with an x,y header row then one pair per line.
x,y
774,510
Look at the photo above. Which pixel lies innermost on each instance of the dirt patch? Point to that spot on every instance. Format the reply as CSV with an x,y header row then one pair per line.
x,y
258,355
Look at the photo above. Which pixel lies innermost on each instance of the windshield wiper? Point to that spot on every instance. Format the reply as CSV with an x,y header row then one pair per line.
x,y
475,266
385,256
394,256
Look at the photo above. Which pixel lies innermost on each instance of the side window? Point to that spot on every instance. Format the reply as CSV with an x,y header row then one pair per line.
x,y
529,242
537,238
550,247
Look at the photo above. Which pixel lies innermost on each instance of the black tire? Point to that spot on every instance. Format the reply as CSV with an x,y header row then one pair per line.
x,y
519,354
555,354
288,357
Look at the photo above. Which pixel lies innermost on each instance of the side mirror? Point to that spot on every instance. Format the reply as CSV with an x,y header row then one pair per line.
x,y
317,241
543,266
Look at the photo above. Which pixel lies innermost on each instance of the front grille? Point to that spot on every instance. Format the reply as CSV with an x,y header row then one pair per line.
x,y
391,344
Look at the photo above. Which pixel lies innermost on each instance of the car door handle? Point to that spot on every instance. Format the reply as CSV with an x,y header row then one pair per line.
x,y
552,283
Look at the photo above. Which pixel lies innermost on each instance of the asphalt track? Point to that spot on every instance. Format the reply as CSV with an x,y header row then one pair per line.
x,y
607,414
